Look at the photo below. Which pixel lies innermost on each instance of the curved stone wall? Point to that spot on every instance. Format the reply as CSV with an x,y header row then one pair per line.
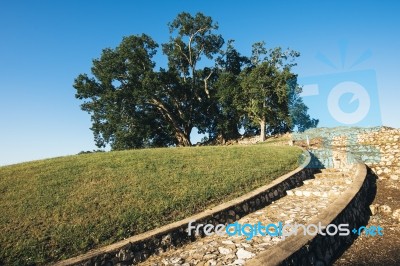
x,y
351,208
138,248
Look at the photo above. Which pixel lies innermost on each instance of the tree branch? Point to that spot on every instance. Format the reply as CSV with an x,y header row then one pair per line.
x,y
206,84
167,114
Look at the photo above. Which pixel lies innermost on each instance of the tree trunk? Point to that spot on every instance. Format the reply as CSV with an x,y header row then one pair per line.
x,y
230,132
262,134
183,139
181,135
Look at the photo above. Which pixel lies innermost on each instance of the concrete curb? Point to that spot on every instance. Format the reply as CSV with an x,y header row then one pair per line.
x,y
351,208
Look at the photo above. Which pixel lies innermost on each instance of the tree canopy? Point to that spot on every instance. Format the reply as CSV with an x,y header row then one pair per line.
x,y
134,105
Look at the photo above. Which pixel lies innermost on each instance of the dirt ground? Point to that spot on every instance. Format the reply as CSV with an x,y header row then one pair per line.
x,y
378,250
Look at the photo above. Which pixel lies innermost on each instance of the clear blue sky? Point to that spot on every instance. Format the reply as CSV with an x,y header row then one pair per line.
x,y
44,45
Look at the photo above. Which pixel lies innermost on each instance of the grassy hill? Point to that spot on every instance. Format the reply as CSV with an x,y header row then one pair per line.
x,y
57,208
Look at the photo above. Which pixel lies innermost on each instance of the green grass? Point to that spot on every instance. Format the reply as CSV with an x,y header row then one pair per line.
x,y
282,140
57,208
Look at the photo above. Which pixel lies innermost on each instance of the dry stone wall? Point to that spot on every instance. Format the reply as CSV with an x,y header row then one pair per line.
x,y
351,208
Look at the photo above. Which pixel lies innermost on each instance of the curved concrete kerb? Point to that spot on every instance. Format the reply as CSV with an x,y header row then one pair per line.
x,y
350,208
138,248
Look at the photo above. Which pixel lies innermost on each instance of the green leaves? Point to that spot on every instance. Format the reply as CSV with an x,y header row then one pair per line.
x,y
117,94
132,105
191,38
272,91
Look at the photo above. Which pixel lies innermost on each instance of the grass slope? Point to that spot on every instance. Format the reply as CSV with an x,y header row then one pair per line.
x,y
57,208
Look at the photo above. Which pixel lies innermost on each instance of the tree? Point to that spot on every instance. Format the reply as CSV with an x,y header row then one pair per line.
x,y
265,86
114,97
171,99
300,120
228,94
132,105
192,39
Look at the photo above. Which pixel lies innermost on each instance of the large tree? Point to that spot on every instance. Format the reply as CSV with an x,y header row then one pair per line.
x,y
192,38
114,96
228,94
133,105
266,88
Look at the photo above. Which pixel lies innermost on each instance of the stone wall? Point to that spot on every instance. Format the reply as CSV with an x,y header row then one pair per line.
x,y
351,208
139,248
324,250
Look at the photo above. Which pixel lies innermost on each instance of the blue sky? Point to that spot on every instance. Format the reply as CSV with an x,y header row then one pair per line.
x,y
44,45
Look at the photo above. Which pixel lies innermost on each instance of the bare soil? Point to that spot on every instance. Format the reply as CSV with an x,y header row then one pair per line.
x,y
378,250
